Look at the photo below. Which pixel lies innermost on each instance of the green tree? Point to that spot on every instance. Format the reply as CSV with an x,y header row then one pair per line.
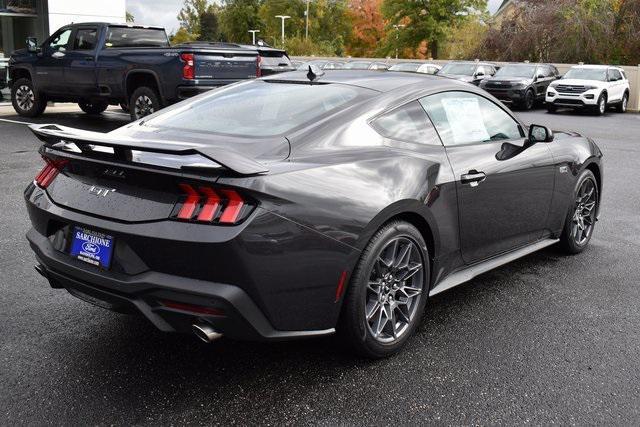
x,y
181,36
237,17
209,27
129,17
189,16
294,27
425,21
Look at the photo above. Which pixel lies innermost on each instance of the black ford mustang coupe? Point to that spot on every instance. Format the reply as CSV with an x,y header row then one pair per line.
x,y
303,204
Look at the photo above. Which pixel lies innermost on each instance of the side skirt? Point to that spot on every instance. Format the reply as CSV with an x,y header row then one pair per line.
x,y
461,276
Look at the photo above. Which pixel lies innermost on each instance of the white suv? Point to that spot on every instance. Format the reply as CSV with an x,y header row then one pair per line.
x,y
590,86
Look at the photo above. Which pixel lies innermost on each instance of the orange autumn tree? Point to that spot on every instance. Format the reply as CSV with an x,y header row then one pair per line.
x,y
367,27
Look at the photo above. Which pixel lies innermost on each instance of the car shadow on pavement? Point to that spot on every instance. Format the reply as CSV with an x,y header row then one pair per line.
x,y
129,361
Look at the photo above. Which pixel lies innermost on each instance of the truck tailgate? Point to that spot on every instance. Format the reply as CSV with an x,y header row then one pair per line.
x,y
225,66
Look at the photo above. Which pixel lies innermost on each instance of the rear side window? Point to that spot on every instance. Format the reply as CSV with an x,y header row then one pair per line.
x,y
614,75
467,118
408,123
86,39
135,37
260,108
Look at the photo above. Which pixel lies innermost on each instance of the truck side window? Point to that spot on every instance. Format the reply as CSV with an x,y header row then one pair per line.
x,y
85,39
60,41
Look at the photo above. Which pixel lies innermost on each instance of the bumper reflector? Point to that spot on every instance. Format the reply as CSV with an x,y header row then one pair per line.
x,y
210,311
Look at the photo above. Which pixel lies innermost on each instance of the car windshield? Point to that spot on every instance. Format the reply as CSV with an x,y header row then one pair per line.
x,y
459,69
524,71
408,66
357,65
259,108
587,74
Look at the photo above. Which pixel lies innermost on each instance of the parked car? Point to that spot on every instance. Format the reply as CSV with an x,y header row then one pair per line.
x,y
596,87
470,72
521,84
415,67
278,209
322,64
357,65
379,66
97,64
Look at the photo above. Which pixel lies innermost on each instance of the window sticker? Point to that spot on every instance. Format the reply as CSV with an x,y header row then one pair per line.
x,y
465,120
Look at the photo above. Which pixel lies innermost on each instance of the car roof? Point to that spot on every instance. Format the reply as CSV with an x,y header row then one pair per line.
x,y
596,67
471,62
381,82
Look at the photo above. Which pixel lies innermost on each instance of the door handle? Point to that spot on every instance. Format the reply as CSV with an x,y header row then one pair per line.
x,y
88,58
473,178
57,55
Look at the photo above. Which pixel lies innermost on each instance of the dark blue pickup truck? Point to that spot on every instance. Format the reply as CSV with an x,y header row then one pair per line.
x,y
97,64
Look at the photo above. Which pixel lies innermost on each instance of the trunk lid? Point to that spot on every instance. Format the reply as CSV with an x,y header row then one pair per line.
x,y
230,64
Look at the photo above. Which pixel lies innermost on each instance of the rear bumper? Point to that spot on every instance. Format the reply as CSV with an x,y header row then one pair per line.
x,y
267,279
145,293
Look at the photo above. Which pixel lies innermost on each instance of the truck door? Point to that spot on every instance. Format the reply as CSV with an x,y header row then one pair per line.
x,y
80,62
49,67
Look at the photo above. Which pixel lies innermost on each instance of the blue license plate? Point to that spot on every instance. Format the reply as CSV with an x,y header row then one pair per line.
x,y
91,247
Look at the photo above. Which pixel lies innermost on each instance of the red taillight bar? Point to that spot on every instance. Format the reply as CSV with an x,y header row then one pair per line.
x,y
51,169
188,70
189,205
210,205
232,211
220,206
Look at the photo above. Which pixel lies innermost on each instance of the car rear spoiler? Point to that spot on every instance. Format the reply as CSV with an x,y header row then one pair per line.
x,y
52,135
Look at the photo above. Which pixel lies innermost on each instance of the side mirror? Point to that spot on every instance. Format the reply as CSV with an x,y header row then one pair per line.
x,y
479,74
539,133
540,76
32,45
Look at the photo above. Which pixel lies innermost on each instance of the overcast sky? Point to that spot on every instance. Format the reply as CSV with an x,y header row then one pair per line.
x,y
163,12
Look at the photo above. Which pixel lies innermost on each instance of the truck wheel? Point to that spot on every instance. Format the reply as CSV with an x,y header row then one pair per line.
x,y
144,101
26,100
93,107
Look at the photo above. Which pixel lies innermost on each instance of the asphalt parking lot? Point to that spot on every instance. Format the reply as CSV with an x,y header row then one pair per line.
x,y
546,339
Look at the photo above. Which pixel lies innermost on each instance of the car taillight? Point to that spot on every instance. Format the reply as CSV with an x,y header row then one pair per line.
x,y
212,206
258,69
188,71
51,169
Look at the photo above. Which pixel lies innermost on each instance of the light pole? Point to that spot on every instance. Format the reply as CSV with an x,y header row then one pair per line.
x,y
282,18
398,27
306,26
253,35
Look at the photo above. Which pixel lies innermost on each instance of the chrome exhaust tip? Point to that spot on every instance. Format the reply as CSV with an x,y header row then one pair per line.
x,y
205,332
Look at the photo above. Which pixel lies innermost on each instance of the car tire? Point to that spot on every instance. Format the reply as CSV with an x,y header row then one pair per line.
x,y
144,101
581,216
601,106
552,109
26,100
529,100
622,106
93,108
382,306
